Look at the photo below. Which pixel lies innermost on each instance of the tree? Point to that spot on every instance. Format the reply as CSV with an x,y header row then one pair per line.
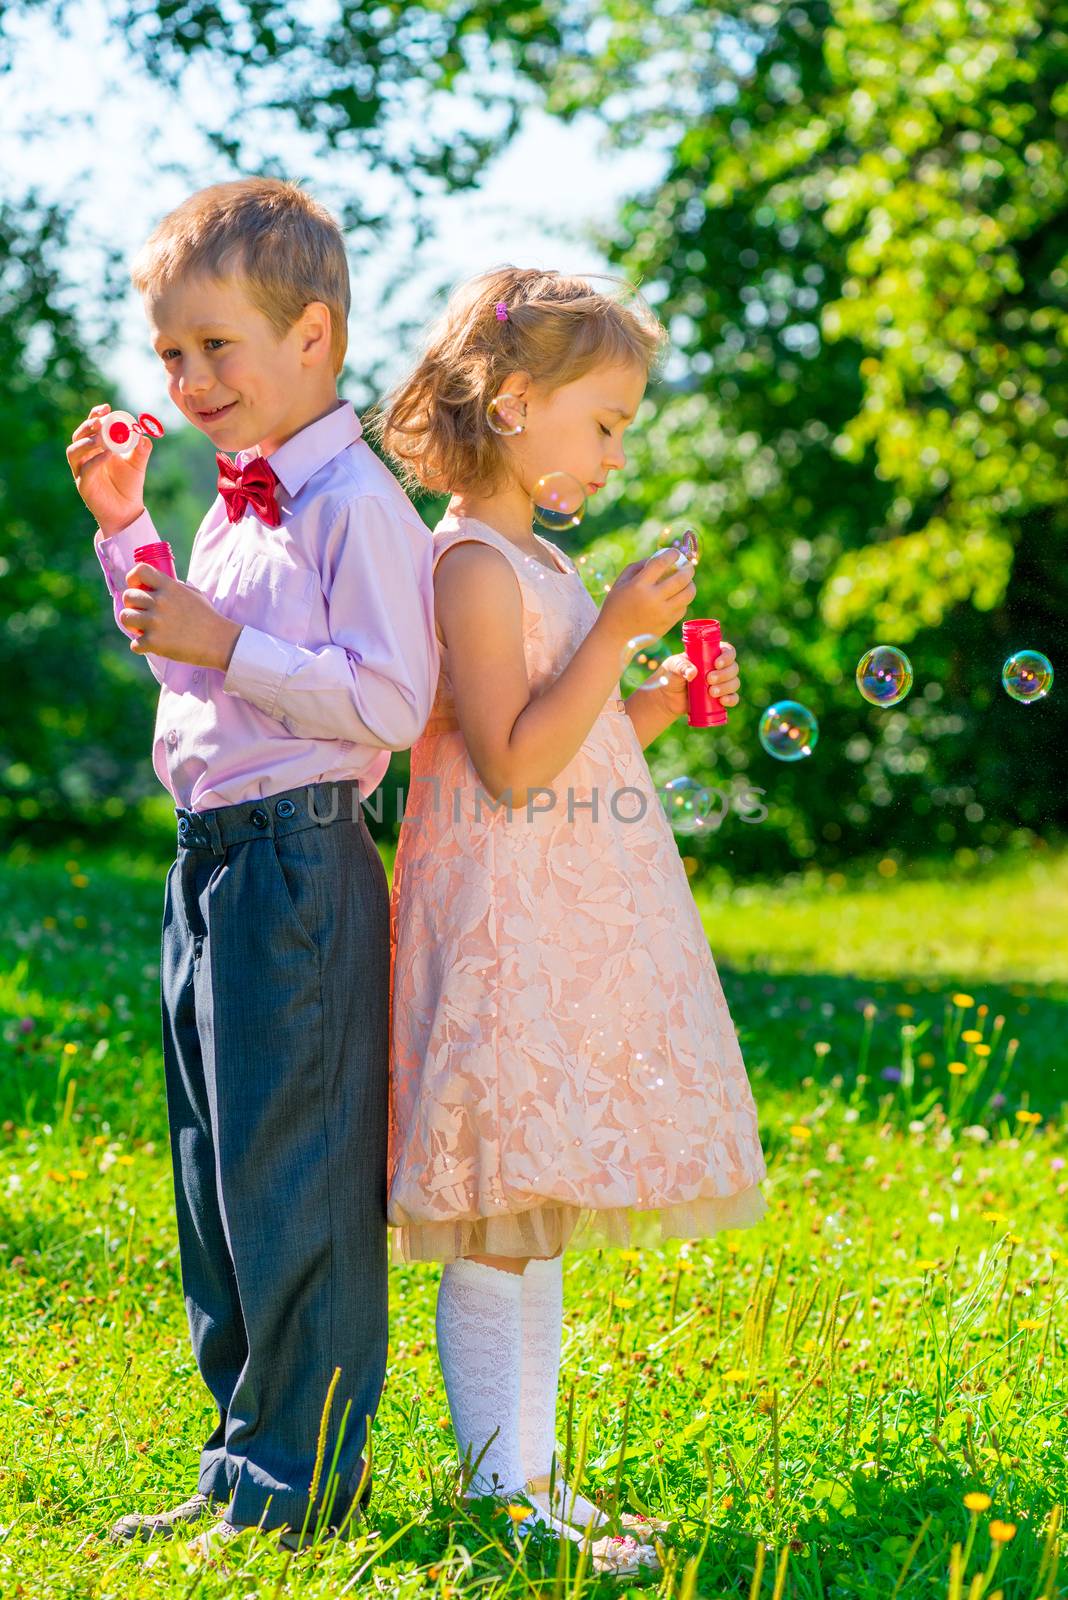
x,y
859,247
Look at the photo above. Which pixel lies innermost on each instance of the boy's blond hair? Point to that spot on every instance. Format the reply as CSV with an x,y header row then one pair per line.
x,y
284,245
556,328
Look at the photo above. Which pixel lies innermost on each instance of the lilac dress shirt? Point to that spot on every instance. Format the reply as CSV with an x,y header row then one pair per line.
x,y
337,661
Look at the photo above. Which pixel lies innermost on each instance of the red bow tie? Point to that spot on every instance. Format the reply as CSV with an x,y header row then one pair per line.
x,y
250,485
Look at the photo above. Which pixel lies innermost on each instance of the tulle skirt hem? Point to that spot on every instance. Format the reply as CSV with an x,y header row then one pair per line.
x,y
546,1230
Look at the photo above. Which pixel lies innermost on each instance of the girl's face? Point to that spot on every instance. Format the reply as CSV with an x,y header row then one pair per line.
x,y
577,428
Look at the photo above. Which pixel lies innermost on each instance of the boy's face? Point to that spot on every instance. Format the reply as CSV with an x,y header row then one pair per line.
x,y
229,372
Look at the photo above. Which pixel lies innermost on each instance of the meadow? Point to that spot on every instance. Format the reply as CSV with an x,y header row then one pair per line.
x,y
864,1396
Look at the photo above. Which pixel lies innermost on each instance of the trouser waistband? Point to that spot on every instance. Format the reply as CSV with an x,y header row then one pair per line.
x,y
313,805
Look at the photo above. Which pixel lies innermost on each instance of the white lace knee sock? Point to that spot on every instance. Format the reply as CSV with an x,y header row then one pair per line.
x,y
542,1320
479,1342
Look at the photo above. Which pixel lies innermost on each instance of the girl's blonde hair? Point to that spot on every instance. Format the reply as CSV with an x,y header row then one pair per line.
x,y
558,328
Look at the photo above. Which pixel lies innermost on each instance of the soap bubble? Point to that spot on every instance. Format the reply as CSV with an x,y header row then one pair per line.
x,y
682,539
595,576
641,656
788,731
884,675
559,501
1027,676
687,805
506,415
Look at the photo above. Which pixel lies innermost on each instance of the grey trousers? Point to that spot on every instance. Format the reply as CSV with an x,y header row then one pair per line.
x,y
275,989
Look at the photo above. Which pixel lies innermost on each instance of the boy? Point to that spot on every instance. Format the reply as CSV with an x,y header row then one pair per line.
x,y
298,655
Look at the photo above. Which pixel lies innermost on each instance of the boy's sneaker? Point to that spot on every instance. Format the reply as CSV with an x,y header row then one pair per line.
x,y
165,1524
212,1544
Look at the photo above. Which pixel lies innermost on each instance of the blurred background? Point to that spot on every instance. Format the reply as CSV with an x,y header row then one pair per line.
x,y
853,218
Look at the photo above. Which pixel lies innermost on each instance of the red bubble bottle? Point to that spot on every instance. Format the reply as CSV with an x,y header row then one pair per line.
x,y
701,640
159,555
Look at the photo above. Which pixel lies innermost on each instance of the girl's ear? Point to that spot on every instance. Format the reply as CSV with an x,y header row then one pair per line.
x,y
517,383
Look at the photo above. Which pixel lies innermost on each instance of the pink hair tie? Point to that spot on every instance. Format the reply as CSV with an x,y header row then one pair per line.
x,y
502,311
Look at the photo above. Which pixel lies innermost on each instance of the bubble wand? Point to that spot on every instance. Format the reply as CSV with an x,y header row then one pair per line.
x,y
122,433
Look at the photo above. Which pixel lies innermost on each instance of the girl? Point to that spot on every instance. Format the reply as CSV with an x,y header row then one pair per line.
x,y
562,1051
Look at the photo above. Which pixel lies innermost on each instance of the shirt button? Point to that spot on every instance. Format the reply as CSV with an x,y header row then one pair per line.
x,y
172,737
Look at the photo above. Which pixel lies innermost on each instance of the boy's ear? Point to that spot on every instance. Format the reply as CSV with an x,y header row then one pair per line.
x,y
315,327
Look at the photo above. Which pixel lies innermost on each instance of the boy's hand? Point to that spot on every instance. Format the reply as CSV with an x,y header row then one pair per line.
x,y
174,620
669,682
649,597
113,489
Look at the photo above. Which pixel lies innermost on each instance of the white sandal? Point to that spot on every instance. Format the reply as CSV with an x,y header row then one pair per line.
x,y
558,1490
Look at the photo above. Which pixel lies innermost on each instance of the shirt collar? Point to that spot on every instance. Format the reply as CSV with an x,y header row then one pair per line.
x,y
308,451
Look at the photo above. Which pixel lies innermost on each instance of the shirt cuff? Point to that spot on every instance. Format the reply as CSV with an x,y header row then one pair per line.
x,y
116,553
257,669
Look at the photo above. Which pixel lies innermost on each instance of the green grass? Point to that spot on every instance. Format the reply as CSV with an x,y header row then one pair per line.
x,y
809,1401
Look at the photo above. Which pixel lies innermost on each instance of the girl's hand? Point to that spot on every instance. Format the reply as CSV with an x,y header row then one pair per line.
x,y
669,682
649,597
113,489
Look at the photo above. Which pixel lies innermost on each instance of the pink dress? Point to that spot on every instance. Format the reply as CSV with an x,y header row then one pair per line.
x,y
564,1065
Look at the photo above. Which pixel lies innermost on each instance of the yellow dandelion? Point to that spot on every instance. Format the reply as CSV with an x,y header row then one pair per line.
x,y
81,922
1002,1532
519,1513
982,1050
124,1161
48,922
70,1049
1031,1323
905,1011
977,1502
1032,1118
56,1177
727,1502
963,1001
957,1069
925,1059
992,1216
982,1011
733,1247
630,1255
799,1131
76,1175
624,1304
735,1375
927,1266
70,866
80,881
971,1036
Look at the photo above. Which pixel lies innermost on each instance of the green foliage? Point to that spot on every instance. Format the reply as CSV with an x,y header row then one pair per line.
x,y
860,251
822,1390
